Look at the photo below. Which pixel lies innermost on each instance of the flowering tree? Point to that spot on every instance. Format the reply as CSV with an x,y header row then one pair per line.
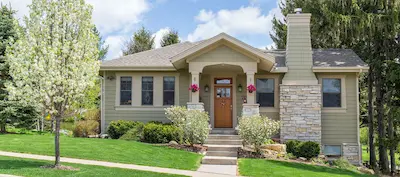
x,y
55,58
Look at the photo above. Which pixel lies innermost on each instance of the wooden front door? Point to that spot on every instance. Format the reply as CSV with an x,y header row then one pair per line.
x,y
223,107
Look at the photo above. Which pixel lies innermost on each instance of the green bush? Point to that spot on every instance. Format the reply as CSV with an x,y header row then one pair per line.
x,y
343,164
256,130
364,135
193,123
308,149
134,134
291,146
118,128
85,128
159,133
92,114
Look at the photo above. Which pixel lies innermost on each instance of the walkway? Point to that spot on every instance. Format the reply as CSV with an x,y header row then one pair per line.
x,y
115,165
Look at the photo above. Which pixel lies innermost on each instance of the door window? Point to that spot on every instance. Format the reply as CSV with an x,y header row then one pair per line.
x,y
223,92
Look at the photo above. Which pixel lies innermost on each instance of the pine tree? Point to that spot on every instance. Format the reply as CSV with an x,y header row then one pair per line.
x,y
139,42
103,48
169,38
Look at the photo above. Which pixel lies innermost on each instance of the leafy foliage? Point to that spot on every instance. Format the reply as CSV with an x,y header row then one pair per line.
x,y
159,133
141,40
118,128
193,123
308,149
256,130
343,164
291,146
18,114
134,134
170,38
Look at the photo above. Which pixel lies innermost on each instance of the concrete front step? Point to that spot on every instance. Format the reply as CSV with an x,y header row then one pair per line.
x,y
217,160
223,142
214,147
224,137
222,153
228,131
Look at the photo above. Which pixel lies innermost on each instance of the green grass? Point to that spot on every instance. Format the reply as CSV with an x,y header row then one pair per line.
x,y
31,168
262,167
102,149
365,154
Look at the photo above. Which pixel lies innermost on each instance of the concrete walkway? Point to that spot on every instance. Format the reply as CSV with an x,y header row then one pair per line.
x,y
115,165
229,170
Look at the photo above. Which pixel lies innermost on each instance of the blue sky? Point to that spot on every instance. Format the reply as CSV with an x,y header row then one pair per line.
x,y
247,20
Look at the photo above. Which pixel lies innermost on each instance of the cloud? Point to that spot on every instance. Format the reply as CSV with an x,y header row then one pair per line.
x,y
158,36
243,21
115,43
205,16
268,47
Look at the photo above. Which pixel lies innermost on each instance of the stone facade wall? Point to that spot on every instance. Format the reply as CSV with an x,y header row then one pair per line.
x,y
300,112
195,106
251,109
351,152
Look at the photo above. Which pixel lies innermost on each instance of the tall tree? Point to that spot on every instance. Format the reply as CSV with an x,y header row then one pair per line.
x,y
55,59
367,27
169,38
139,42
103,47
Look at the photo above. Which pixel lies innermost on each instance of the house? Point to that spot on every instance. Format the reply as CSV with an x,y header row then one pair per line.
x,y
313,92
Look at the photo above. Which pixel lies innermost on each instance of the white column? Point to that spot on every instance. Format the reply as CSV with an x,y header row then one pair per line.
x,y
250,80
195,80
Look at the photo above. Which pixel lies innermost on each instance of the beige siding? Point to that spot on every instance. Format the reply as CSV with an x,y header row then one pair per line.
x,y
222,54
341,126
240,79
141,113
205,97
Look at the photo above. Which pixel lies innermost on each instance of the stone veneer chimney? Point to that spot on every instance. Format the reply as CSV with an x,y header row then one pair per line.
x,y
300,93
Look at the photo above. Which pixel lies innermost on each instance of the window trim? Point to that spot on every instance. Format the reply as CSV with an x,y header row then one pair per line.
x,y
141,91
343,107
118,90
276,91
340,146
163,90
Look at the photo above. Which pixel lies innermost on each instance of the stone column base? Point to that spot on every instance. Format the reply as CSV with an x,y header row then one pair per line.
x,y
251,109
351,151
195,106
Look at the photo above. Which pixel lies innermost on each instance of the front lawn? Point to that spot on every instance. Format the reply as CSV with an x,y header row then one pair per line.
x,y
102,149
262,167
365,154
31,168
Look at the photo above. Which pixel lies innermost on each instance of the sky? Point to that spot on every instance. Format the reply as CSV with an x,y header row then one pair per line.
x,y
117,20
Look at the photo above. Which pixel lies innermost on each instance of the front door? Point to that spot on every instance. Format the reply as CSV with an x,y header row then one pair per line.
x,y
223,107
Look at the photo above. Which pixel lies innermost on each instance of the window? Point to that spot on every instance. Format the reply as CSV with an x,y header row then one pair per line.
x,y
169,90
331,89
332,150
223,81
265,92
126,91
147,90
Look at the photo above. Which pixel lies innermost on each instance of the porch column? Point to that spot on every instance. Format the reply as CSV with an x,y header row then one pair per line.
x,y
195,80
251,107
195,104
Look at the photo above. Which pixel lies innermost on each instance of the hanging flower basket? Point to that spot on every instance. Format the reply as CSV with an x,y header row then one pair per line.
x,y
251,88
194,88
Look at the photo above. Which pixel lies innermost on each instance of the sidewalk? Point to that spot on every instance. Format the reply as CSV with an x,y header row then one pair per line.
x,y
115,165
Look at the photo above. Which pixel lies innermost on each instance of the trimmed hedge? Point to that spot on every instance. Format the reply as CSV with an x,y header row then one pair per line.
x,y
118,128
160,133
308,149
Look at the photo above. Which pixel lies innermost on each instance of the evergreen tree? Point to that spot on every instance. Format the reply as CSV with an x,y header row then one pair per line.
x,y
139,42
169,38
103,48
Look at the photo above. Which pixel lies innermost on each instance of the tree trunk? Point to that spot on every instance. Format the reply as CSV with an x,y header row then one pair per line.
x,y
391,135
383,156
57,140
372,157
3,128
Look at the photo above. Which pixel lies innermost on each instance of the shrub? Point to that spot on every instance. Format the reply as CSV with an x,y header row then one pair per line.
x,y
159,133
255,130
364,135
85,128
307,149
134,134
269,141
291,146
193,123
118,128
343,164
92,114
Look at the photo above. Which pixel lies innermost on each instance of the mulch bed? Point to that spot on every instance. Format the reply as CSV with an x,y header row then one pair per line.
x,y
197,148
242,153
60,167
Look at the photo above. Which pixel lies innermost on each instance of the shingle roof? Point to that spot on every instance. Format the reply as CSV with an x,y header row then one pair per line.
x,y
161,57
324,58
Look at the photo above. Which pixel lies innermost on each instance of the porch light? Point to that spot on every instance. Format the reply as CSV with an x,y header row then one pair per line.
x,y
206,88
240,88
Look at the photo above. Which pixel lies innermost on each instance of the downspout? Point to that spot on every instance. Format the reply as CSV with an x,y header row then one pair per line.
x,y
358,118
102,101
